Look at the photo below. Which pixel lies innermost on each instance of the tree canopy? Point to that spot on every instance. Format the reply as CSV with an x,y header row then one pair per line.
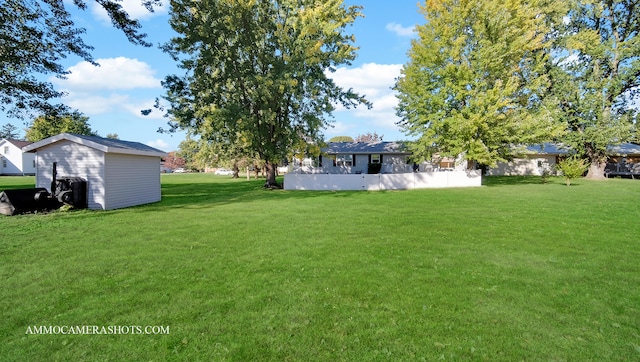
x,y
476,80
256,72
34,37
49,125
597,79
341,139
486,76
9,131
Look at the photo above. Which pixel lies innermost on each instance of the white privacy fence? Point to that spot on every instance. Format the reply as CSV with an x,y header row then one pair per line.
x,y
400,181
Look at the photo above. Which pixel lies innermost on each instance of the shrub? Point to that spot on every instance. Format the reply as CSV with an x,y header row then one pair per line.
x,y
545,174
572,167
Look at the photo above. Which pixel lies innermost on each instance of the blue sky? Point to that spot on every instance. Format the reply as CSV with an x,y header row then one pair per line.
x,y
128,78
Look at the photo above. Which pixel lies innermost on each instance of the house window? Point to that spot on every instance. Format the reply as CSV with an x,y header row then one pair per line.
x,y
344,160
34,163
4,163
375,158
6,150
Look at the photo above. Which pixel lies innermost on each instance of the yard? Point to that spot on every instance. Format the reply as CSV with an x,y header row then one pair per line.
x,y
514,270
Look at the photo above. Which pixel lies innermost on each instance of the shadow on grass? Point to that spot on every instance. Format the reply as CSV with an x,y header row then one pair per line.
x,y
493,181
555,181
203,194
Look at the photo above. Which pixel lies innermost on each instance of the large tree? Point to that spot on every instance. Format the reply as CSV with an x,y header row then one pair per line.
x,y
256,71
598,77
51,125
476,81
35,35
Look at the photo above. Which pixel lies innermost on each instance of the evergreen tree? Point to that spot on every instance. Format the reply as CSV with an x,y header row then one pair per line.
x,y
9,131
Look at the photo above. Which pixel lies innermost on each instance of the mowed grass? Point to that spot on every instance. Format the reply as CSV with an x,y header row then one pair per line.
x,y
514,270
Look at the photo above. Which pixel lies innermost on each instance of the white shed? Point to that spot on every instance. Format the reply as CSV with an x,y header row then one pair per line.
x,y
118,173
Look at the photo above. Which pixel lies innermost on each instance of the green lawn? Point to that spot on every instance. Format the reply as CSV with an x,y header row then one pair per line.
x,y
515,270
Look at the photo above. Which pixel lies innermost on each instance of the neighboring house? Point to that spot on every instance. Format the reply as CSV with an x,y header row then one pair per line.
x,y
118,173
534,162
355,157
538,158
625,152
13,161
624,161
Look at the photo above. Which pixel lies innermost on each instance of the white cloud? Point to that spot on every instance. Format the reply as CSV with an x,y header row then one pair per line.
x,y
160,144
118,85
112,74
371,79
400,30
375,81
134,8
95,104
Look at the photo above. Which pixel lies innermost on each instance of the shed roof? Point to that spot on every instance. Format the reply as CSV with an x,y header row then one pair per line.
x,y
106,145
366,148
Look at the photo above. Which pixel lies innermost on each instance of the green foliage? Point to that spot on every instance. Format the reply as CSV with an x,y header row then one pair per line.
x,y
545,174
572,168
341,139
47,126
36,35
113,136
597,79
476,81
188,150
255,72
9,131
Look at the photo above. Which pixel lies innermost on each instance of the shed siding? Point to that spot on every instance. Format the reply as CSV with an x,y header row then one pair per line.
x,y
73,160
131,180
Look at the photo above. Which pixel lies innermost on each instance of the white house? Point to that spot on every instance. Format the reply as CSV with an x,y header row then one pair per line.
x,y
534,161
376,166
13,161
118,173
355,158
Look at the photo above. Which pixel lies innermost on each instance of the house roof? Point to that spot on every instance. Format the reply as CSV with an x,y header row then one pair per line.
x,y
549,149
106,145
624,149
366,148
560,149
17,143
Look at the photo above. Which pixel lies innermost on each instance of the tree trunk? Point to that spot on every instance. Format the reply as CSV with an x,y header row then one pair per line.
x,y
236,170
596,170
271,176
